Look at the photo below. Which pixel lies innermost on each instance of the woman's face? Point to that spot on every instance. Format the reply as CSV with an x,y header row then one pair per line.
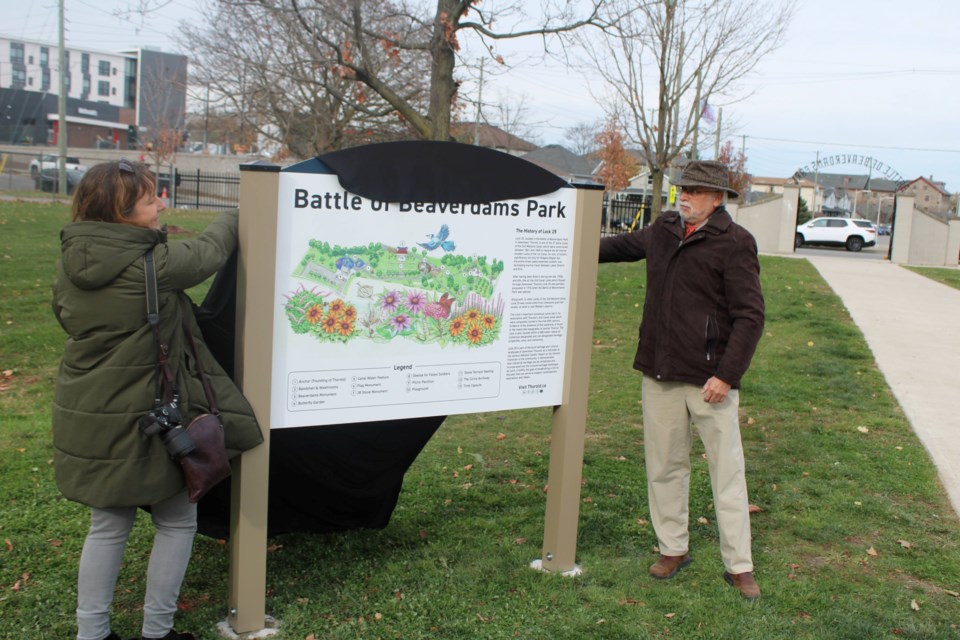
x,y
146,212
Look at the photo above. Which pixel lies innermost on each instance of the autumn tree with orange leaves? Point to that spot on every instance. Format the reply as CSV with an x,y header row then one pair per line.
x,y
616,165
737,164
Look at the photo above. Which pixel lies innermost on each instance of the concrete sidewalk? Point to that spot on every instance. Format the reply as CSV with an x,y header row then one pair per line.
x,y
909,323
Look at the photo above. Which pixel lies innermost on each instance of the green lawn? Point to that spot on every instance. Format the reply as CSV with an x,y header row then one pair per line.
x,y
856,538
949,277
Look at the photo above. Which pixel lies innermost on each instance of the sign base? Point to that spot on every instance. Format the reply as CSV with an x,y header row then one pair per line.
x,y
570,573
271,628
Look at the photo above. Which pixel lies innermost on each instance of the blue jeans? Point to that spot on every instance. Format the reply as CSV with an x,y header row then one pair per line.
x,y
175,521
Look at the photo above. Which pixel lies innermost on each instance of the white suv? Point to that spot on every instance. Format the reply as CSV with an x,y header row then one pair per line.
x,y
854,234
50,160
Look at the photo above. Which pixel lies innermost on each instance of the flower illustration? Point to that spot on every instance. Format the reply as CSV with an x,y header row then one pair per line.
x,y
330,323
350,313
488,322
475,333
400,322
344,326
435,310
456,326
416,301
472,316
314,314
336,307
390,301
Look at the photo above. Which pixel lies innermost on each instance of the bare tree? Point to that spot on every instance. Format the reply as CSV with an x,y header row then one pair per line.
x,y
583,137
398,55
255,58
661,60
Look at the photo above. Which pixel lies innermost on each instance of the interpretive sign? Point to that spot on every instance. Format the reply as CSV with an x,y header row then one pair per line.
x,y
390,310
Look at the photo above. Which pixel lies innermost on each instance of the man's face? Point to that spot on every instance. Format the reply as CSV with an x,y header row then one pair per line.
x,y
697,203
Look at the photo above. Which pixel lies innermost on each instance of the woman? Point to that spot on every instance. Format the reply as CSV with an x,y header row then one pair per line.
x,y
108,380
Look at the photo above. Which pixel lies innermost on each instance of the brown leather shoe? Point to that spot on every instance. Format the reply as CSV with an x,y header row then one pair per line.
x,y
667,566
745,583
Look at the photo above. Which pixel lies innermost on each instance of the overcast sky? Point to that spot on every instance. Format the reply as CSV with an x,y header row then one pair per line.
x,y
874,78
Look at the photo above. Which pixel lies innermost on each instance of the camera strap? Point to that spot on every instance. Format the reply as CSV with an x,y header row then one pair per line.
x,y
166,383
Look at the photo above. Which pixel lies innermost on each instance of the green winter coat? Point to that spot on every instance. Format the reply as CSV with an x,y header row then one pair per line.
x,y
108,374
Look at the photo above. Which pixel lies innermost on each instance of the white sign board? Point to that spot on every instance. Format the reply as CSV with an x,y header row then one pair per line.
x,y
388,310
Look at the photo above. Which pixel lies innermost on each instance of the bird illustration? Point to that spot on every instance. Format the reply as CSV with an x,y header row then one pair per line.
x,y
439,239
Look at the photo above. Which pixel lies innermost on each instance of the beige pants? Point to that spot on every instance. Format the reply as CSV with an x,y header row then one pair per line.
x,y
669,408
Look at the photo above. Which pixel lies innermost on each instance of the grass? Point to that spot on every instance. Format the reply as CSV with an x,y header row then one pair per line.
x,y
950,277
856,538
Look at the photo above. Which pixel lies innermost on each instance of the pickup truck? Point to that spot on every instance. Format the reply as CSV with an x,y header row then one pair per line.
x,y
49,161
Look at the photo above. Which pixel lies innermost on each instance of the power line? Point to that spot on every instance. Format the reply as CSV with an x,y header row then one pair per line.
x,y
862,146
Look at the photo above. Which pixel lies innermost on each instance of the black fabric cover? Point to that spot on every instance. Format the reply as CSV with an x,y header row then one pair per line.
x,y
420,171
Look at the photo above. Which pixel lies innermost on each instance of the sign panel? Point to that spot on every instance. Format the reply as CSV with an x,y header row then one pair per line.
x,y
388,310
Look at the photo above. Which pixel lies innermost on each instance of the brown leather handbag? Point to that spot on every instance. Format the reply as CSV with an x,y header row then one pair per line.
x,y
206,464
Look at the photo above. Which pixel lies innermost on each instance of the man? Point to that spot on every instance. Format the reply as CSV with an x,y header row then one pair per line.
x,y
702,320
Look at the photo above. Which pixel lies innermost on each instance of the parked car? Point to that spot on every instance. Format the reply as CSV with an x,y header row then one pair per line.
x,y
854,234
883,230
50,161
49,179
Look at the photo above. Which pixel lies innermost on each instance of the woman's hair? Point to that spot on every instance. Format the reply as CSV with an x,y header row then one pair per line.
x,y
108,191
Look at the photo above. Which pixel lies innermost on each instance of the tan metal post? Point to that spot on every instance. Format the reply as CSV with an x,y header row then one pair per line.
x,y
248,501
570,418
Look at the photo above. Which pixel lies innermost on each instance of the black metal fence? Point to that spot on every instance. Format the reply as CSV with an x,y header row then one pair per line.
x,y
623,215
205,190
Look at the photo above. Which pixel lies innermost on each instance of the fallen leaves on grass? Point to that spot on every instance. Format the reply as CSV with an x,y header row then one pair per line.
x,y
863,429
633,602
872,552
915,605
905,544
754,509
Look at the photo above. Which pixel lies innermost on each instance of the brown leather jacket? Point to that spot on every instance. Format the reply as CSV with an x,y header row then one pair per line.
x,y
703,313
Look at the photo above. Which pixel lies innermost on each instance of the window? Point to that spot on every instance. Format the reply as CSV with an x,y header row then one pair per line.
x,y
819,223
30,60
44,57
85,62
103,88
836,223
19,79
113,91
16,53
44,78
104,67
863,223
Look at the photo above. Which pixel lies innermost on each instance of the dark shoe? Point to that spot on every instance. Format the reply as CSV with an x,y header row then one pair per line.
x,y
667,566
113,636
172,635
745,583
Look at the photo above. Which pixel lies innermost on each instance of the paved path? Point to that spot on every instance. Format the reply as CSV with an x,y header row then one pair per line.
x,y
909,322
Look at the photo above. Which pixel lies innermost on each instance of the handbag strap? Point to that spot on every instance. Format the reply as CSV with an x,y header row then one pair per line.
x,y
207,389
166,382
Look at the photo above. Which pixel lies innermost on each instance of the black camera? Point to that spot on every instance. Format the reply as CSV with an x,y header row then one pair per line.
x,y
165,421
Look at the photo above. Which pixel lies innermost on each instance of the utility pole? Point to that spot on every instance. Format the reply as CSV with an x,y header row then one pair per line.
x,y
696,119
206,119
716,144
816,180
476,123
62,109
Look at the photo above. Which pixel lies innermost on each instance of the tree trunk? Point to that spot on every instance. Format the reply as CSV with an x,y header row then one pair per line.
x,y
656,196
442,86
